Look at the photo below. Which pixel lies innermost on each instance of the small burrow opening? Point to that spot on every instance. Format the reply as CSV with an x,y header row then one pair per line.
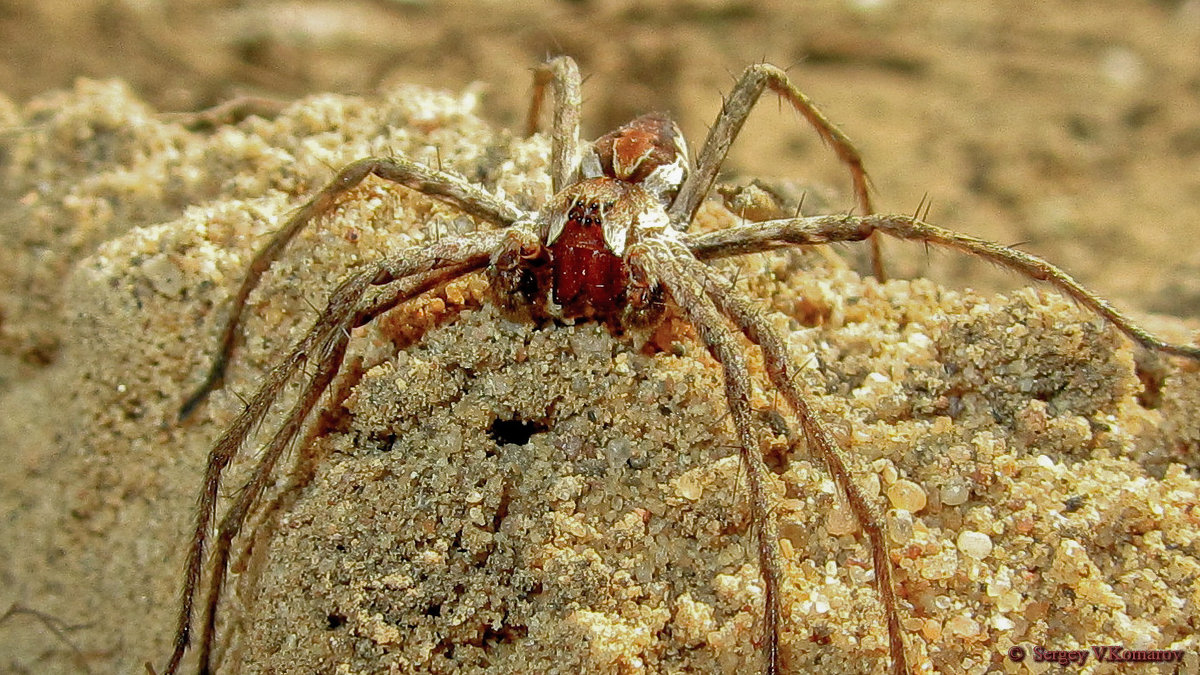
x,y
514,431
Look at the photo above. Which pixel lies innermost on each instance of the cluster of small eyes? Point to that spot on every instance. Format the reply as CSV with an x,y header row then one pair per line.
x,y
588,214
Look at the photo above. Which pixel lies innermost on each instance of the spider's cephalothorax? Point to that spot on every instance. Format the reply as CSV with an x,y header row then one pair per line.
x,y
611,245
630,176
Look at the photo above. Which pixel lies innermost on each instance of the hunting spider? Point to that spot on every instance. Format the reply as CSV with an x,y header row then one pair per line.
x,y
610,246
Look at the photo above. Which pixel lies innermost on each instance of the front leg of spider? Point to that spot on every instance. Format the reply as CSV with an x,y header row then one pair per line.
x,y
399,278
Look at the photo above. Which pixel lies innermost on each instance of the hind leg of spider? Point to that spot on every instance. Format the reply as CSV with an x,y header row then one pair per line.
x,y
440,185
774,234
413,271
329,357
745,95
723,344
785,378
562,76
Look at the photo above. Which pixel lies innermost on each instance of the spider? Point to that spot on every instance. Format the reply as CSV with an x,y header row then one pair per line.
x,y
610,246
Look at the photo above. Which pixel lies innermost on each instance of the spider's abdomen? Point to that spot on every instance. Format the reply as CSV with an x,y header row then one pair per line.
x,y
648,151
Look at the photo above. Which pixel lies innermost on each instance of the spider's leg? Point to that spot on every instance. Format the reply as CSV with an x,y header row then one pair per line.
x,y
723,344
415,270
437,184
746,93
773,234
769,235
562,75
781,371
328,359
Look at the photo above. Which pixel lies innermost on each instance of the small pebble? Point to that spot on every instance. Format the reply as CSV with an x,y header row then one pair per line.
x,y
900,525
955,494
962,626
840,521
907,495
974,544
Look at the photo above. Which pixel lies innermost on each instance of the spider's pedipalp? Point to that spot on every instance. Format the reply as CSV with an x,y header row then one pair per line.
x,y
441,185
736,110
665,264
413,271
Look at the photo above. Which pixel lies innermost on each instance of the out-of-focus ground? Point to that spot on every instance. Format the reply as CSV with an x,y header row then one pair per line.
x,y
1071,129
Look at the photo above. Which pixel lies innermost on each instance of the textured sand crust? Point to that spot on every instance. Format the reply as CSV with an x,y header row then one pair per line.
x,y
486,495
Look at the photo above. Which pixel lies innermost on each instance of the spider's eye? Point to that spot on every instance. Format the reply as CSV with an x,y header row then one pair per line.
x,y
649,151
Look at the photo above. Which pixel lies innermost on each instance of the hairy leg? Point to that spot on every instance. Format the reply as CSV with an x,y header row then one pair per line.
x,y
723,343
413,271
438,184
775,234
562,76
784,376
327,361
745,95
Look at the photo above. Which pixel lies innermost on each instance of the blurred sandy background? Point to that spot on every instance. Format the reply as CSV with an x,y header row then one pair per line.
x,y
1071,128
